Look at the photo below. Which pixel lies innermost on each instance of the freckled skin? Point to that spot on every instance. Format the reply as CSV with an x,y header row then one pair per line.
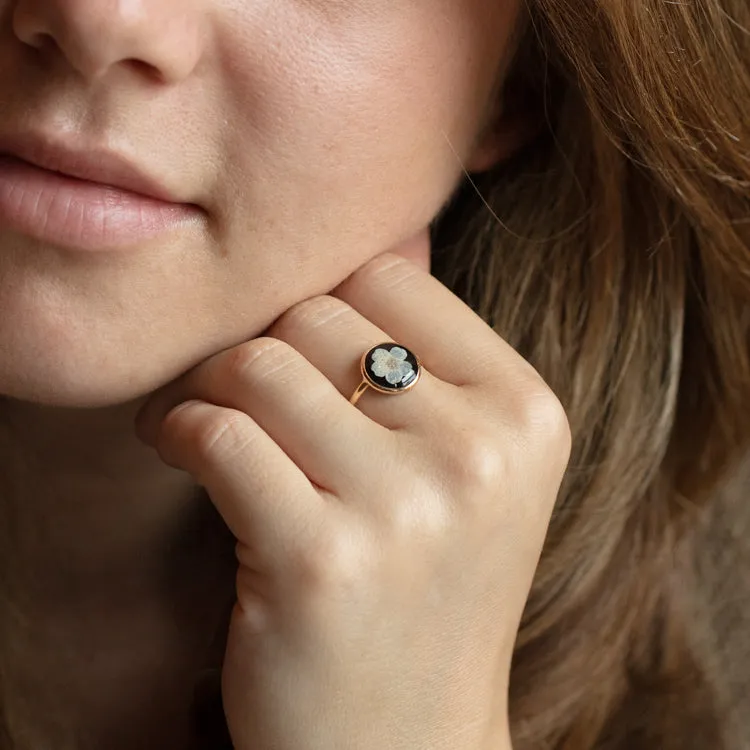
x,y
314,134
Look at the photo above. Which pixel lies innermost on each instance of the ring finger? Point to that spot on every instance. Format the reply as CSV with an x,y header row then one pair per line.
x,y
333,337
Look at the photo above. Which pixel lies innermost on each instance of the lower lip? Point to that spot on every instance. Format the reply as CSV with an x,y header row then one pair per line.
x,y
81,215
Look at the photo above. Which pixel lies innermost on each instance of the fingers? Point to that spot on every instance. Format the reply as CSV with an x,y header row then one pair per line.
x,y
333,336
295,383
281,434
266,501
419,312
289,399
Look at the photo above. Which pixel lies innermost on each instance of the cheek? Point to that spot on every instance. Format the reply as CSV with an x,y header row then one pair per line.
x,y
354,125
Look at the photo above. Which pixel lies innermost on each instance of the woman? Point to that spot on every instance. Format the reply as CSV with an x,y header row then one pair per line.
x,y
209,211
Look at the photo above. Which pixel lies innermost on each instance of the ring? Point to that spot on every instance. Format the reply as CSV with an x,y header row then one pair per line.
x,y
388,368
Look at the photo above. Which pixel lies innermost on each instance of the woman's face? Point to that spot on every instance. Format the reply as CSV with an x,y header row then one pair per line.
x,y
312,135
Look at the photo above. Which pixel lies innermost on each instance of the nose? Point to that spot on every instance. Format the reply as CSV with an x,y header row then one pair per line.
x,y
160,37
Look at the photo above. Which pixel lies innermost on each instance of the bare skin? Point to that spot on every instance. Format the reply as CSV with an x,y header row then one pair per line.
x,y
153,548
121,552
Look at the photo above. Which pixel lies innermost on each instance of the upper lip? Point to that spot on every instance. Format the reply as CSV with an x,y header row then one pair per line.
x,y
83,162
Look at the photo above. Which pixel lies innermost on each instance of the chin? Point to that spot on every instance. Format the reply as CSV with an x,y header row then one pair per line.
x,y
79,374
66,364
77,388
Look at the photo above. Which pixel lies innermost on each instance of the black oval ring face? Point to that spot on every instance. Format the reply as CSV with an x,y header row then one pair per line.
x,y
390,368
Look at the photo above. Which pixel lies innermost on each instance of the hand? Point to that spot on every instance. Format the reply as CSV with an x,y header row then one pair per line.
x,y
385,550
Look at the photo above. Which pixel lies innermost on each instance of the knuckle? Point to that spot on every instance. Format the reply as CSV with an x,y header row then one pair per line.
x,y
259,359
475,459
388,269
309,313
543,418
215,438
387,263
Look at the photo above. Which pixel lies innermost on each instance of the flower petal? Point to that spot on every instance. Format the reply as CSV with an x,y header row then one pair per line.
x,y
399,353
394,377
379,354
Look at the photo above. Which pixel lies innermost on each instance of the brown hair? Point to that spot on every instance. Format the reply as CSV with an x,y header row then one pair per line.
x,y
613,252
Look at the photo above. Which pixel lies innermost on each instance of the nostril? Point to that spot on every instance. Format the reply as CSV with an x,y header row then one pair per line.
x,y
145,70
29,30
41,41
93,37
43,49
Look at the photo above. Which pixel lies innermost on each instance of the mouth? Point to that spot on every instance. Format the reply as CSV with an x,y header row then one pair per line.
x,y
92,200
89,163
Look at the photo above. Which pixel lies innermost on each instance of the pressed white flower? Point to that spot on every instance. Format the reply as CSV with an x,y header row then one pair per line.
x,y
391,365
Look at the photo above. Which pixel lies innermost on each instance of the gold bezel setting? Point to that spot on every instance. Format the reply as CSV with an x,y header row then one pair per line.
x,y
390,368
